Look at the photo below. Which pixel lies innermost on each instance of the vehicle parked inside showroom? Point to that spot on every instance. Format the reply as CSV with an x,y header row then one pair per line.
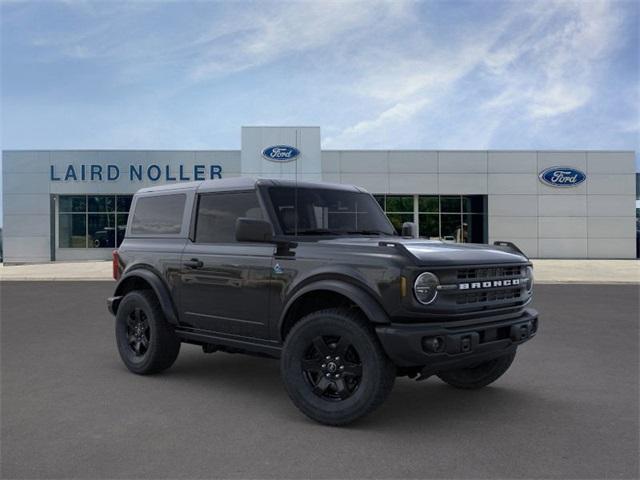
x,y
314,274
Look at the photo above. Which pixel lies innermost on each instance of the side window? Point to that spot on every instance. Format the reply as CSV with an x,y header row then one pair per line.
x,y
158,215
218,212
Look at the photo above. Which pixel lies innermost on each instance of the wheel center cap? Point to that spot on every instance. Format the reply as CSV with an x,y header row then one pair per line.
x,y
332,367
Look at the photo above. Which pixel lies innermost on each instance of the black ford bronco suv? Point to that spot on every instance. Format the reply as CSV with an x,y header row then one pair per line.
x,y
316,275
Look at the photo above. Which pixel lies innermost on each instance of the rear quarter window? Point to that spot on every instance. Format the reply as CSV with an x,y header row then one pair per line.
x,y
158,215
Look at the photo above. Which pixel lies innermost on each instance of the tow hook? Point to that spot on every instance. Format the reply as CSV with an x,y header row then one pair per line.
x,y
520,332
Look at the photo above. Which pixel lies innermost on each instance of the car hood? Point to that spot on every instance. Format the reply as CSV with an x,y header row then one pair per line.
x,y
436,252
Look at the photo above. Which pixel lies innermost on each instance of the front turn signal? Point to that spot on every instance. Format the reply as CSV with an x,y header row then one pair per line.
x,y
403,286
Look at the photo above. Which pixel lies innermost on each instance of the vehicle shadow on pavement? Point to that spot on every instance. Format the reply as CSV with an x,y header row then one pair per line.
x,y
411,404
437,405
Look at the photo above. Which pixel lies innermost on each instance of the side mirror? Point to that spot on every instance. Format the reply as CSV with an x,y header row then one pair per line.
x,y
409,229
253,230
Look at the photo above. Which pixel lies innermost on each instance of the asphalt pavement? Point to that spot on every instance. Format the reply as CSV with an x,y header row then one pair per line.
x,y
567,408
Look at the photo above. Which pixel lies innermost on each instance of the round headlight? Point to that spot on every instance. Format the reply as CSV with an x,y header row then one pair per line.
x,y
425,288
529,274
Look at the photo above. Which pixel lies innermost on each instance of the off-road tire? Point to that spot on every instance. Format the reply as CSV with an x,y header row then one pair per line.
x,y
163,344
377,373
480,375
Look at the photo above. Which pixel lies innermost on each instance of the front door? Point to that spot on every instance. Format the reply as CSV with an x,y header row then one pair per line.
x,y
224,285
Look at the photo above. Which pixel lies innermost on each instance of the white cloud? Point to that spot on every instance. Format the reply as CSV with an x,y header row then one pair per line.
x,y
405,87
397,114
539,60
570,70
293,27
389,73
558,98
232,37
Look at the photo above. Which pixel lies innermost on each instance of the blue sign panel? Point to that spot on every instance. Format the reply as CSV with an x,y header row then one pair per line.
x,y
281,153
562,177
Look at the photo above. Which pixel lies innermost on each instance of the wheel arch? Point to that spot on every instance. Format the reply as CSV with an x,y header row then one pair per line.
x,y
144,279
328,293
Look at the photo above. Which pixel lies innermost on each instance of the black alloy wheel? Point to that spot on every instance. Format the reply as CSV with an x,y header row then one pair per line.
x,y
146,342
138,332
332,367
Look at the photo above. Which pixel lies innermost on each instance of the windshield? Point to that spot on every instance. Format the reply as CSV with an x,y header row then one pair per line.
x,y
320,211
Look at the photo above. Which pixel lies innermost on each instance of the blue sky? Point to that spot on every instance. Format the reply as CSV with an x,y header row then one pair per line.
x,y
447,75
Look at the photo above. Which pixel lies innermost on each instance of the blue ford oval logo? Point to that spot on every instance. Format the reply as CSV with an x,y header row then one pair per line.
x,y
280,153
562,177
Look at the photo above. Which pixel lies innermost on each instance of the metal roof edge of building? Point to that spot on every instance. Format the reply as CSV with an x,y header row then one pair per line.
x,y
280,126
181,150
226,150
472,151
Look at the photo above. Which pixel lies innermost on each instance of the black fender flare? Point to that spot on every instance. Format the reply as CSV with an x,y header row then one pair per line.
x,y
157,285
358,295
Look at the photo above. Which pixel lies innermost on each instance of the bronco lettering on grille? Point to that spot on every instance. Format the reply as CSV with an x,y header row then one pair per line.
x,y
489,284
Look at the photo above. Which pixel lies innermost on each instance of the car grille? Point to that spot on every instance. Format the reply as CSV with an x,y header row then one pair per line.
x,y
491,296
483,300
492,272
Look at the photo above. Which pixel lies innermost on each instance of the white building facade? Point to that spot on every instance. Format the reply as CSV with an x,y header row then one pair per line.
x,y
73,204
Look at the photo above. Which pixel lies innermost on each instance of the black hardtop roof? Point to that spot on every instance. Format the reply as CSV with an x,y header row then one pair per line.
x,y
243,183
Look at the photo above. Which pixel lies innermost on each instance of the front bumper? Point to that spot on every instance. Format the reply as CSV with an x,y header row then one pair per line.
x,y
458,344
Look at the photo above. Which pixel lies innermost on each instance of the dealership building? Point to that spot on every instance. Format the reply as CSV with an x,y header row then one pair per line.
x,y
74,204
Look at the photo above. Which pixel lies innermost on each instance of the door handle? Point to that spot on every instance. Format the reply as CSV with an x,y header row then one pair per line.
x,y
194,263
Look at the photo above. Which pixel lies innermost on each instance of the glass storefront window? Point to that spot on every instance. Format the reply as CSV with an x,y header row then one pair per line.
x,y
101,203
428,204
90,221
451,204
450,227
453,218
73,203
474,204
429,225
101,230
72,230
399,204
475,225
123,203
